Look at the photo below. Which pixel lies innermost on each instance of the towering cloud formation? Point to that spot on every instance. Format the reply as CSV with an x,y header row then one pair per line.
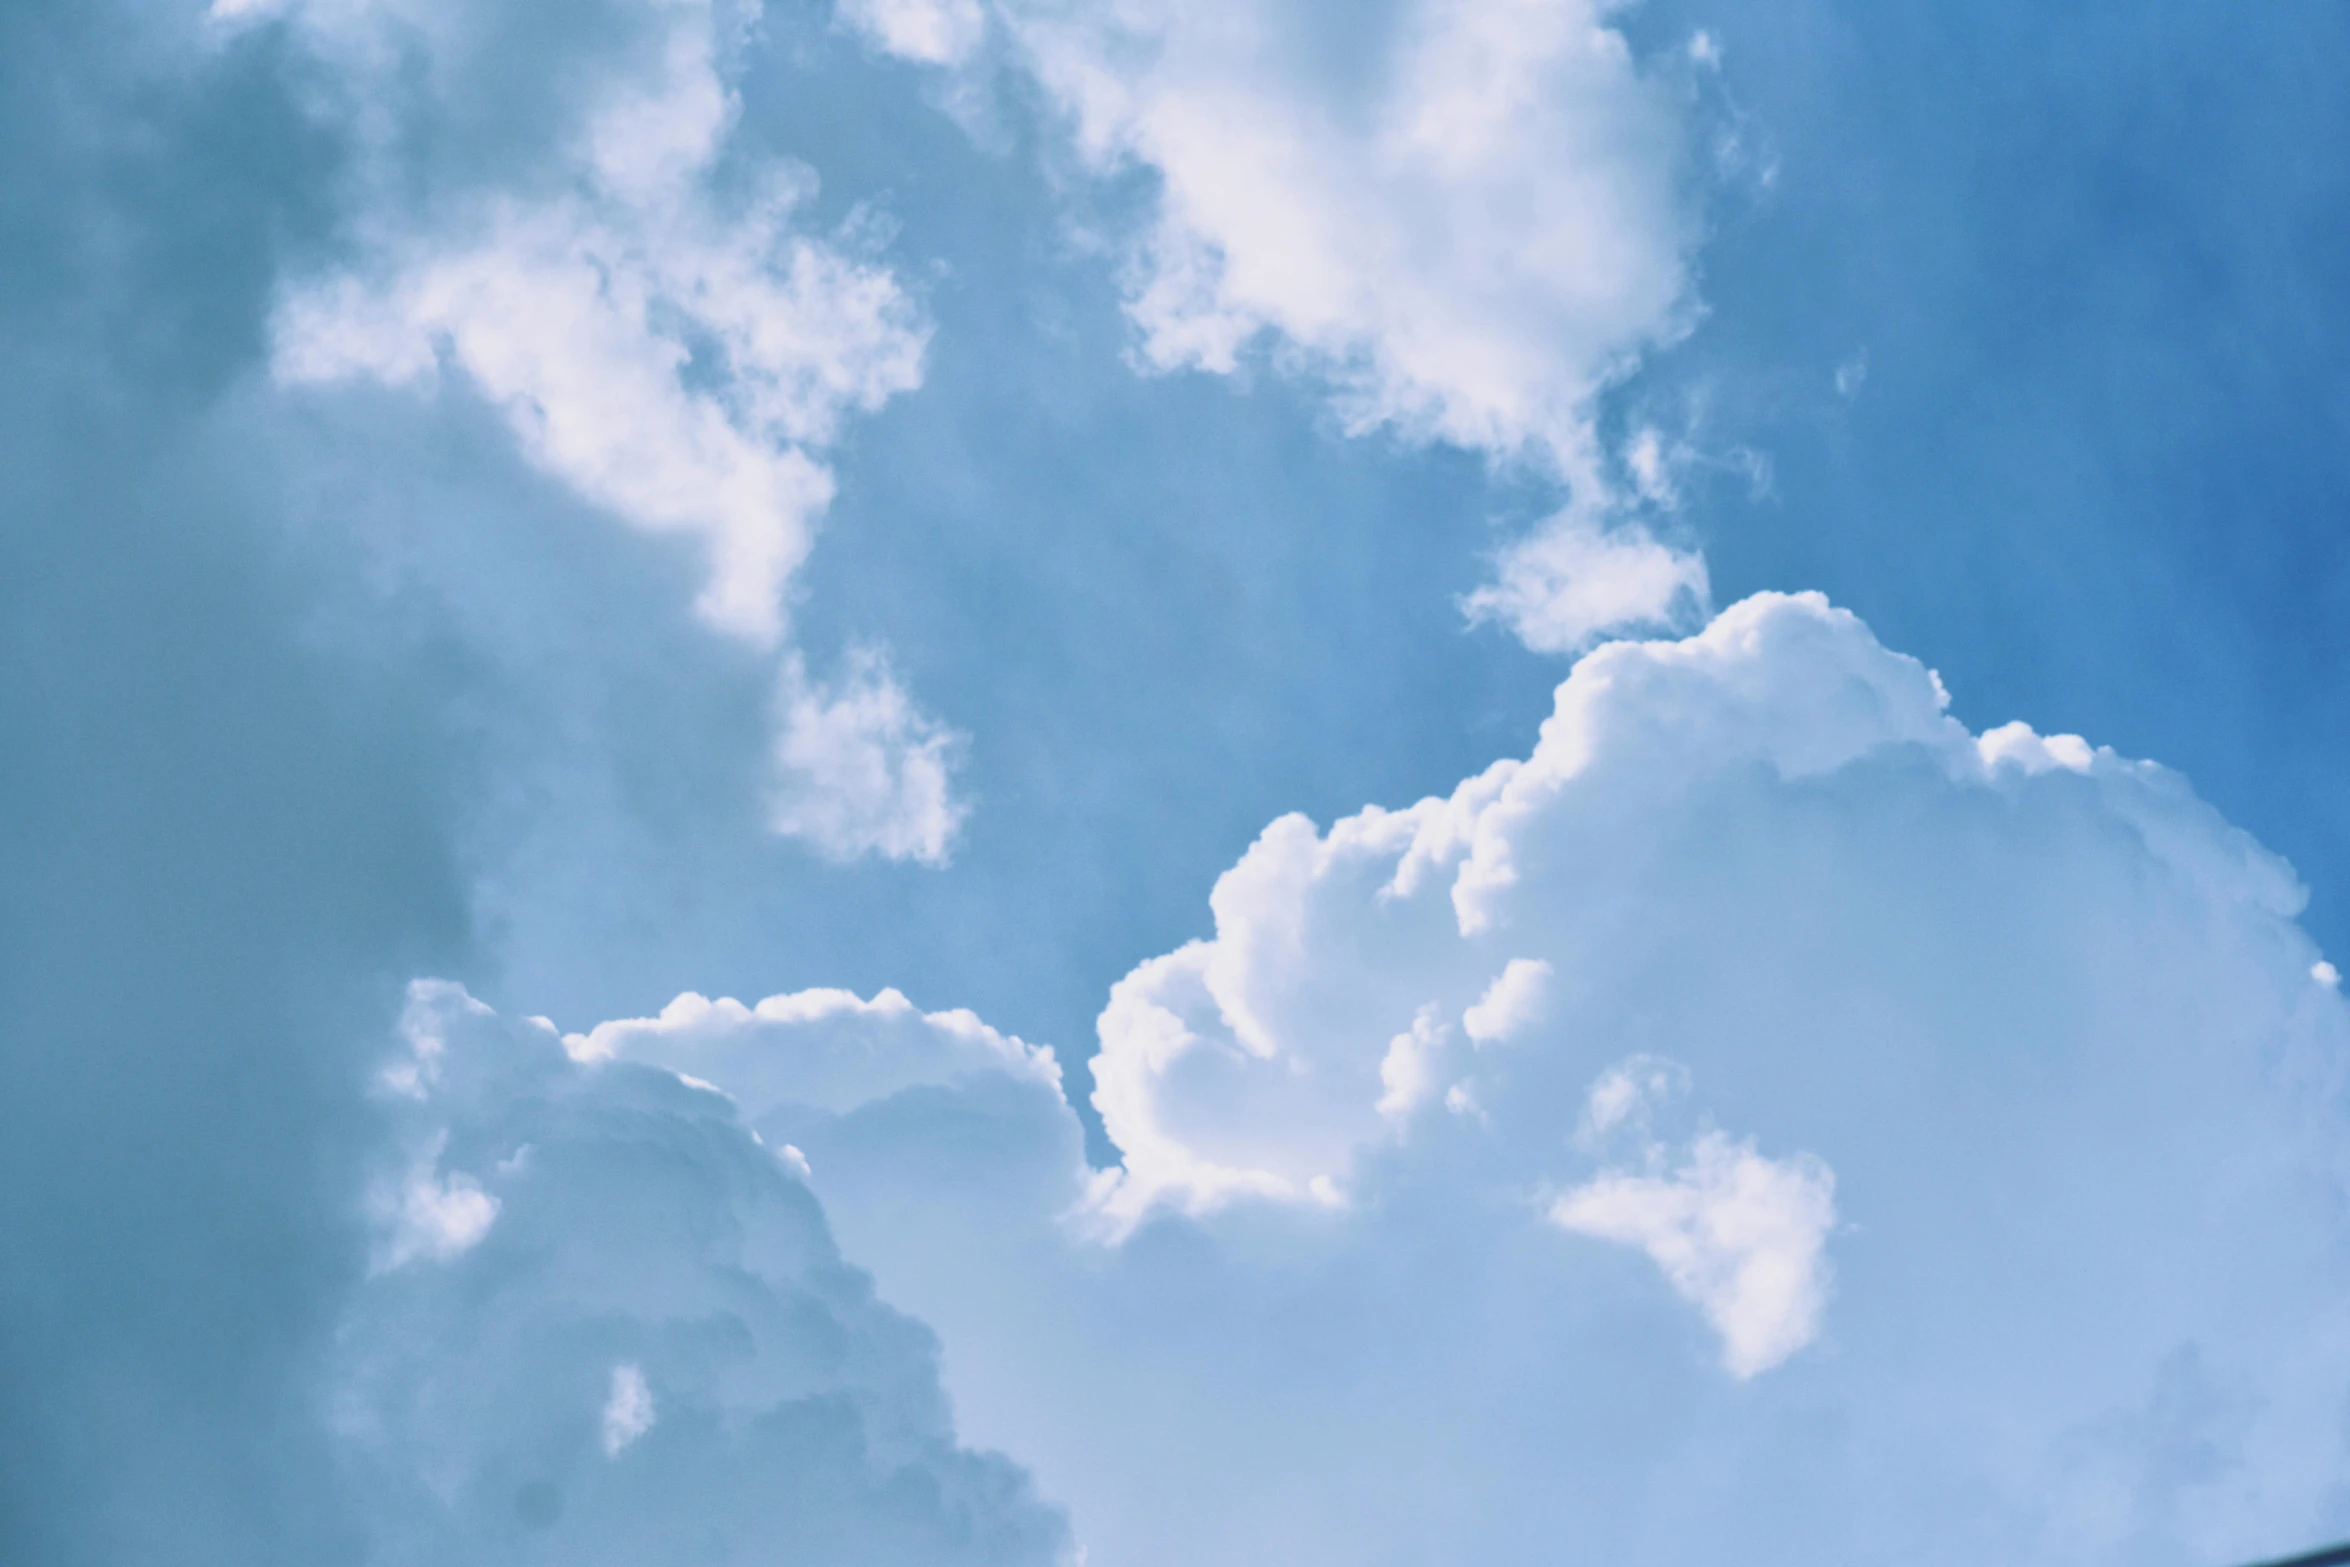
x,y
666,338
612,1327
1767,1120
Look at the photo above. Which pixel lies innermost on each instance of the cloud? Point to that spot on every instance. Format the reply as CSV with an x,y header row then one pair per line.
x,y
656,1348
933,32
1511,1004
428,1215
1740,1236
861,770
646,307
1572,581
1466,218
676,351
845,1052
628,1413
1937,1092
587,324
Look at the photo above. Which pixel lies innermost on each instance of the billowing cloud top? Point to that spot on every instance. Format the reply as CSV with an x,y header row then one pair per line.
x,y
1766,1076
611,1325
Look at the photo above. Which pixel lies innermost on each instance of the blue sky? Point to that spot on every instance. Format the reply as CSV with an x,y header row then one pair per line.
x,y
978,519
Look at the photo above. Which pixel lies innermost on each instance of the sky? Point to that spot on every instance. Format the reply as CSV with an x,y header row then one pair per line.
x,y
1093,781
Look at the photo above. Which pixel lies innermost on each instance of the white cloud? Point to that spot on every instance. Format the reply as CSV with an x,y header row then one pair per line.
x,y
677,349
628,1413
432,1216
677,356
1742,1237
1512,1004
1463,214
1408,1072
2045,1017
662,1291
1629,1093
861,770
844,1052
934,32
1229,1068
1572,581
1465,217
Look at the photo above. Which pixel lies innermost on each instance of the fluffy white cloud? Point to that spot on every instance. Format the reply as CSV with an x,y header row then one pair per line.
x,y
628,1413
429,1215
1874,1141
844,1052
1572,580
677,354
656,1351
583,321
1466,217
935,32
677,349
1742,1236
1463,212
862,770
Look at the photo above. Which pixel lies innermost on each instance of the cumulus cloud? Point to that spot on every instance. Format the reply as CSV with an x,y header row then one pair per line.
x,y
628,1413
656,1349
1572,581
585,322
677,353
861,770
431,1215
1468,222
1465,217
1511,1004
1741,1236
1940,1096
676,348
934,32
845,1051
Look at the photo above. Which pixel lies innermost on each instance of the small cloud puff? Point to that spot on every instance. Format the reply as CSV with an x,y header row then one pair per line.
x,y
930,32
1512,1004
1742,1237
628,1413
860,770
1573,581
1466,241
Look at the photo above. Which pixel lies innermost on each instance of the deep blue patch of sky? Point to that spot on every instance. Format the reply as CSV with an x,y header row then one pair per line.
x,y
2097,470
